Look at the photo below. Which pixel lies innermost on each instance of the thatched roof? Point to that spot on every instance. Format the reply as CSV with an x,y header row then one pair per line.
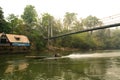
x,y
2,34
17,38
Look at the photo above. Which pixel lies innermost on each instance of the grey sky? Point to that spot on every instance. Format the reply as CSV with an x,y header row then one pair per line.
x,y
58,8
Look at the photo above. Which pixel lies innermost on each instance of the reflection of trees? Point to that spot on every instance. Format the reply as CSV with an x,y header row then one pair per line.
x,y
113,69
96,69
93,69
45,69
68,69
62,69
2,68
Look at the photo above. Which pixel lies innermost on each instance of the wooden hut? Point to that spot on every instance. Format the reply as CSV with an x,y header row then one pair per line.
x,y
13,42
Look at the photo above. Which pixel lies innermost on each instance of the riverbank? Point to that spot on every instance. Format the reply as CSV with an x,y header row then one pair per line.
x,y
53,48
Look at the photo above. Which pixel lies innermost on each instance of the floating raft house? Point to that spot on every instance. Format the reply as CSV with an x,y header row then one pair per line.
x,y
13,41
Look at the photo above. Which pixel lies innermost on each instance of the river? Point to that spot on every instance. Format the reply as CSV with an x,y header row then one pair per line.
x,y
98,65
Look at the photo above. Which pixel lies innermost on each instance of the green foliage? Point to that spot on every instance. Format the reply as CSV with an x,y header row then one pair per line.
x,y
69,20
83,41
47,26
13,22
78,41
30,15
1,14
31,27
77,26
4,26
66,41
37,40
91,21
115,39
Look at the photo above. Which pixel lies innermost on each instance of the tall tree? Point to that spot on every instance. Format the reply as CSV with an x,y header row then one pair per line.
x,y
91,21
57,27
1,20
78,25
14,22
4,26
30,15
30,20
1,14
47,24
115,39
68,20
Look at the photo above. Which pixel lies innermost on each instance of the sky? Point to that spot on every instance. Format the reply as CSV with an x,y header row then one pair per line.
x,y
58,8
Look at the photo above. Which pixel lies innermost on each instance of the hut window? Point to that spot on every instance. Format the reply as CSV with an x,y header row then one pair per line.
x,y
3,39
17,38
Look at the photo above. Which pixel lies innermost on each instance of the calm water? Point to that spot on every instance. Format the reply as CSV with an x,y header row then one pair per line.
x,y
102,65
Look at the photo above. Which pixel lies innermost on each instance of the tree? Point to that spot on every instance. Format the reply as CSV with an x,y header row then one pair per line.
x,y
30,15
78,25
91,21
115,39
57,27
47,24
4,26
14,22
2,21
30,20
1,14
68,20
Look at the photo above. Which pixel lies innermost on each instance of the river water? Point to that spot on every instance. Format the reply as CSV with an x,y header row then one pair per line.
x,y
99,65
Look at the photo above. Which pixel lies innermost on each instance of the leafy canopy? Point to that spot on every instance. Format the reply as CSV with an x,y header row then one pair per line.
x,y
30,15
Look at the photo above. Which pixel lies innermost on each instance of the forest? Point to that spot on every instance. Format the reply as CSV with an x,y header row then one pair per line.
x,y
37,28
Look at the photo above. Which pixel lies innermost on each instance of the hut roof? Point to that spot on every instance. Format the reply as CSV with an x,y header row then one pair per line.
x,y
0,34
17,38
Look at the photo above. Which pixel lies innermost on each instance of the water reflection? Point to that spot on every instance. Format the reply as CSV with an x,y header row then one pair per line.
x,y
113,70
16,66
100,68
14,70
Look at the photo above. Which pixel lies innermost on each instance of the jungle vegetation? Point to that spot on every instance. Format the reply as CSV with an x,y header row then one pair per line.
x,y
36,28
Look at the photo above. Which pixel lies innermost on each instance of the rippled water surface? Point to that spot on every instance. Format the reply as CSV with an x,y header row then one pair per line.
x,y
102,65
